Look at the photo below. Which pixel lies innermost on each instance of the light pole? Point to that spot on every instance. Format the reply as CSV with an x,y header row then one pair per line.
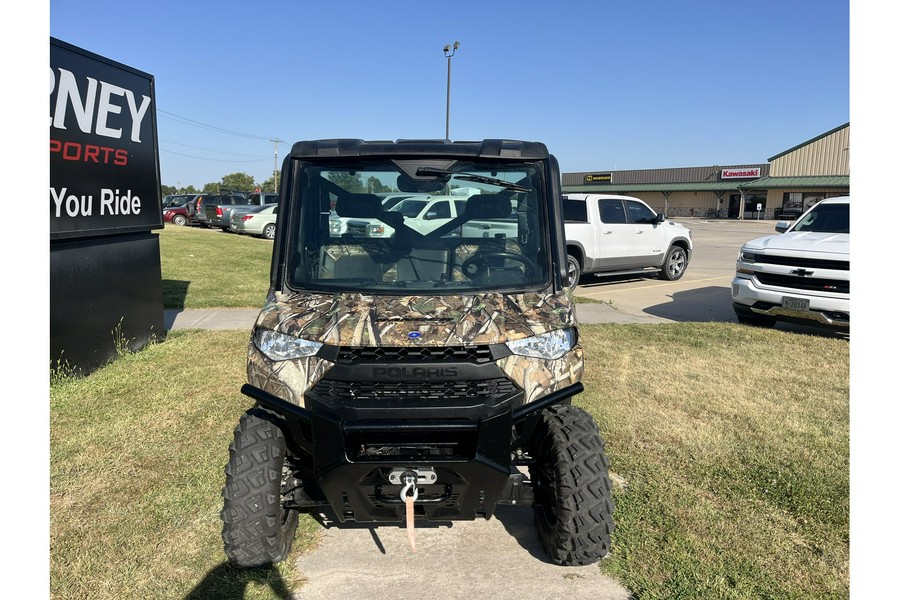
x,y
449,51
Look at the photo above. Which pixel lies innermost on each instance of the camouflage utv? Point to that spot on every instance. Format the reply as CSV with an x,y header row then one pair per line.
x,y
426,373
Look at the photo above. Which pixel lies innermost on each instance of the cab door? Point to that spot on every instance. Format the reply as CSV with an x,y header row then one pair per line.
x,y
616,245
649,236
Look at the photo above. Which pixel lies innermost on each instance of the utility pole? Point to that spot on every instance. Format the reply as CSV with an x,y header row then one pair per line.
x,y
276,141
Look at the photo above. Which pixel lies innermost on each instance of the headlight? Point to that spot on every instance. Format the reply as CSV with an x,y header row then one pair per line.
x,y
278,346
748,256
551,345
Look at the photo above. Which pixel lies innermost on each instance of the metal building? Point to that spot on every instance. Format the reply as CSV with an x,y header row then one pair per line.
x,y
780,188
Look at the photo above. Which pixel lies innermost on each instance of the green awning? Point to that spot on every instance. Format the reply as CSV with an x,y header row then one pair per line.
x,y
829,181
618,188
764,183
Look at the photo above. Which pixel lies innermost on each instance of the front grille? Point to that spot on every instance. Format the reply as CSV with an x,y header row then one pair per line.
x,y
473,354
809,284
805,263
492,389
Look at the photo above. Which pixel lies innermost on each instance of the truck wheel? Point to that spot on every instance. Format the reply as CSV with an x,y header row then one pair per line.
x,y
675,264
572,496
179,220
573,270
257,529
269,231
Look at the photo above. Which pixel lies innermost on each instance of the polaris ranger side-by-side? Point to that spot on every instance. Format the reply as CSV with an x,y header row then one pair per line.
x,y
426,375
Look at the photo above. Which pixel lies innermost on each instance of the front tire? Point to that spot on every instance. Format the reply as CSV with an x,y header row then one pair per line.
x,y
572,494
675,264
573,270
180,220
269,231
257,530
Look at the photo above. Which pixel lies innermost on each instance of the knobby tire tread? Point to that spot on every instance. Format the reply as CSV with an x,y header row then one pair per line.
x,y
581,495
256,530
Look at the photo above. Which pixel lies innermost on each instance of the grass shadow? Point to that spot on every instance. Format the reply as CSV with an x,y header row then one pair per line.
x,y
174,293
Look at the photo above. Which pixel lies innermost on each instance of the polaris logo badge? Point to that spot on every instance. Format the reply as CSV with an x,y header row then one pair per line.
x,y
414,372
802,273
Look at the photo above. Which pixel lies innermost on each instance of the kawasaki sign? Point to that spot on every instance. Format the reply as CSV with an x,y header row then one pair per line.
x,y
740,173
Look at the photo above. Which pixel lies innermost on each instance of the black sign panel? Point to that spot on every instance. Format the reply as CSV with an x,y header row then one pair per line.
x,y
598,178
104,160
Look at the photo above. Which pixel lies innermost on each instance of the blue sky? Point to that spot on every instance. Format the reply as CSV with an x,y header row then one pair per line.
x,y
642,84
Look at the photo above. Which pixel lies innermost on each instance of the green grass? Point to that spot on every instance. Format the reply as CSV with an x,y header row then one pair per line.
x,y
729,446
208,268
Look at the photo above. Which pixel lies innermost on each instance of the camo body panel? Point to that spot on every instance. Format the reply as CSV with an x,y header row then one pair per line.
x,y
286,379
362,320
539,377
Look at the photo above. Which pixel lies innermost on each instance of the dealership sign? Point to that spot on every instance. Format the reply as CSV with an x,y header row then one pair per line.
x,y
104,165
598,178
741,173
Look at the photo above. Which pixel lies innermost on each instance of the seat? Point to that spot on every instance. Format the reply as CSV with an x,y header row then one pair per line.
x,y
423,265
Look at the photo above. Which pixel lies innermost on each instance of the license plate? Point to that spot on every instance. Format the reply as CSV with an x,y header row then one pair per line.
x,y
796,303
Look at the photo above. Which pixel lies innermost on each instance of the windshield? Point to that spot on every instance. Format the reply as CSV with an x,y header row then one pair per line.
x,y
826,218
456,231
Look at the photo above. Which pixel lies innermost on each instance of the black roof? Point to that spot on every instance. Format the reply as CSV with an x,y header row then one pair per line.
x,y
348,148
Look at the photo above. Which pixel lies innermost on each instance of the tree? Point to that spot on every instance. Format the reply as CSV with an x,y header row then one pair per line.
x,y
375,185
351,182
269,184
167,190
238,182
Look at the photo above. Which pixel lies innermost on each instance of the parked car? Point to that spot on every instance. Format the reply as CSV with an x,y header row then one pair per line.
x,y
204,218
219,214
177,215
421,213
260,198
338,225
610,235
176,212
802,274
259,221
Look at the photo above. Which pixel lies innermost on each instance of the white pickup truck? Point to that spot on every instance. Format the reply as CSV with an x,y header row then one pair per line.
x,y
422,214
611,235
802,274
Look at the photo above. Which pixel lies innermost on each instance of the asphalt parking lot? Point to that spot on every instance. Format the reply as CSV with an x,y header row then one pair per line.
x,y
703,293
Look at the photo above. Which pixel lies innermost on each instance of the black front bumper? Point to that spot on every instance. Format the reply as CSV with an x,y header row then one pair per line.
x,y
470,451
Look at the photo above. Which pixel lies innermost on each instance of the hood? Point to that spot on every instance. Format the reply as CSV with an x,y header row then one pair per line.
x,y
392,321
804,241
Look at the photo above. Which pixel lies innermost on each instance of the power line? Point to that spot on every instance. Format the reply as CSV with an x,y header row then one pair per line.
x,y
214,159
209,149
187,121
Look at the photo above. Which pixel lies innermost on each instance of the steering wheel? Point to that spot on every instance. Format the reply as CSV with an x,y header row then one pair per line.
x,y
476,266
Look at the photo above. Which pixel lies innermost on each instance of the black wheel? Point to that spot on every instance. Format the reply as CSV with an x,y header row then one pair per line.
x,y
573,270
477,267
257,529
675,264
761,321
179,220
573,503
269,231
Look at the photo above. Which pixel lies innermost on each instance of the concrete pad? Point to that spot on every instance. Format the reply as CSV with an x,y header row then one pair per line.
x,y
499,559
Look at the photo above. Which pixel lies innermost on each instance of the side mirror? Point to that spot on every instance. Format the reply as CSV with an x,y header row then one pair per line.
x,y
430,215
782,226
660,218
